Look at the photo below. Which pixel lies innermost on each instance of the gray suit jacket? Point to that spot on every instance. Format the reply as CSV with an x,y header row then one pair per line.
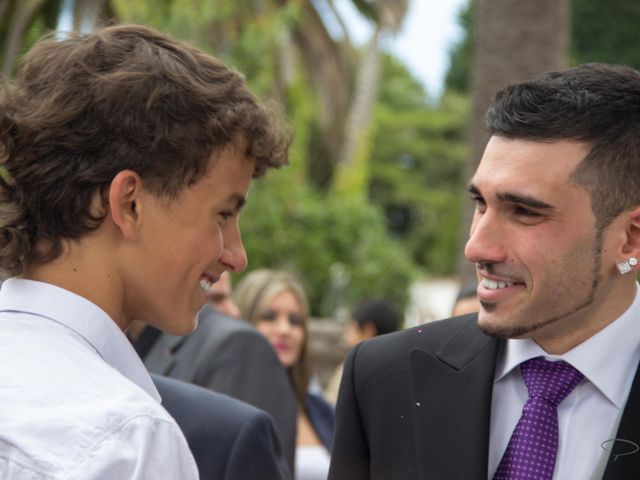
x,y
229,356
229,439
416,404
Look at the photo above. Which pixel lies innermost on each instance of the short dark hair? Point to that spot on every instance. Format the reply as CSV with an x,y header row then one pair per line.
x,y
468,290
380,313
595,103
85,107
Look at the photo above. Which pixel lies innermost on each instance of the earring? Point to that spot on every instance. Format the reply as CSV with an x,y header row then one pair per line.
x,y
627,265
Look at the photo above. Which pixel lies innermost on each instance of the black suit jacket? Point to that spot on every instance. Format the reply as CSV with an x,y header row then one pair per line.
x,y
229,356
416,404
230,440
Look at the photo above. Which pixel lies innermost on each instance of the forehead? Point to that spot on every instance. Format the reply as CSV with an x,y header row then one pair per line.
x,y
229,173
528,167
285,296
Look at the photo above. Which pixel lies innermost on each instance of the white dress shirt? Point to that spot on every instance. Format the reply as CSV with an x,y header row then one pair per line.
x,y
590,415
312,462
76,402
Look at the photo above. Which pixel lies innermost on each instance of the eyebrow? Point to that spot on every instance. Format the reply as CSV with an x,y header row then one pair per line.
x,y
520,199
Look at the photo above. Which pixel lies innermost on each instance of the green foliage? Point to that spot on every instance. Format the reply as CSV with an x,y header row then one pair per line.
x,y
242,34
605,31
289,225
399,88
417,161
459,72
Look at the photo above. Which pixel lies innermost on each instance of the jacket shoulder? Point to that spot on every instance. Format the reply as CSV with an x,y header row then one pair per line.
x,y
237,432
429,336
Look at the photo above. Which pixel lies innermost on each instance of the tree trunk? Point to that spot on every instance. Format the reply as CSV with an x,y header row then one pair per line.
x,y
353,171
86,16
4,8
329,75
514,41
351,174
22,18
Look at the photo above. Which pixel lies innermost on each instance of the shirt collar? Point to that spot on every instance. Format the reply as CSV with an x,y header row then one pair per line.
x,y
603,359
82,317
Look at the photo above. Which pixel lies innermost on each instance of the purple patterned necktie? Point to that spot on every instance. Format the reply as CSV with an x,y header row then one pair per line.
x,y
531,453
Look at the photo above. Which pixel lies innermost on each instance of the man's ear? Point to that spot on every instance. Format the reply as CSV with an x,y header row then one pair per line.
x,y
124,203
632,233
369,329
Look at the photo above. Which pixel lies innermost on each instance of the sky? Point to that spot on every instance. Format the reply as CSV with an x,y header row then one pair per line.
x,y
423,43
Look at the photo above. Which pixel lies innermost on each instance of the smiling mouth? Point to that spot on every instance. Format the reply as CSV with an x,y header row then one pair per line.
x,y
206,283
496,284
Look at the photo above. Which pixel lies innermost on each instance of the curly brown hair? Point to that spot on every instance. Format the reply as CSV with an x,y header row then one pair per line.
x,y
86,107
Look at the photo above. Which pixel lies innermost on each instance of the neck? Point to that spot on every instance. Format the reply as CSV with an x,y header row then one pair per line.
x,y
87,272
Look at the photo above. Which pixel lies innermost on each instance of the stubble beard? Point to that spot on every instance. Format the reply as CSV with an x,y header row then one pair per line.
x,y
525,330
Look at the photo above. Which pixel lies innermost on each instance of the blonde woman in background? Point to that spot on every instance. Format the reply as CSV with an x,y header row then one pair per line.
x,y
276,303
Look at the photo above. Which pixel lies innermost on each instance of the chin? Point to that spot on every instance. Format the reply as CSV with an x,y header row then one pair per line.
x,y
507,329
494,325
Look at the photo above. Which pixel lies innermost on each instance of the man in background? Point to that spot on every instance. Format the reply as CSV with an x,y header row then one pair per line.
x,y
369,318
219,297
229,356
467,300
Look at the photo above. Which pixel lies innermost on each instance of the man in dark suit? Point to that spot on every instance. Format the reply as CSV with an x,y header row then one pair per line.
x,y
543,382
229,439
229,356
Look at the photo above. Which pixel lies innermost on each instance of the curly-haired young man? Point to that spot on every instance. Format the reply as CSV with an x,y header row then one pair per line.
x,y
126,158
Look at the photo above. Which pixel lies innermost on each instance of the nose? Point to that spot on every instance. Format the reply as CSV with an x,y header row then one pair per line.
x,y
234,256
486,239
282,323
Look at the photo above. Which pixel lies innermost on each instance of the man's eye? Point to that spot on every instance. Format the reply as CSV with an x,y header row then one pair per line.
x,y
479,202
525,212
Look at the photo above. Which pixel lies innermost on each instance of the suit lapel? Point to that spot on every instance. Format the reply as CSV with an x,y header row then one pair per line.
x,y
624,460
162,357
451,402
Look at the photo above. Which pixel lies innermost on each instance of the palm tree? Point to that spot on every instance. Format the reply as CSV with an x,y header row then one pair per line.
x,y
18,18
351,178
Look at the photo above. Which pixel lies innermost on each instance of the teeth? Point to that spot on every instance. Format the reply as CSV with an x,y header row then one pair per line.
x,y
206,285
495,285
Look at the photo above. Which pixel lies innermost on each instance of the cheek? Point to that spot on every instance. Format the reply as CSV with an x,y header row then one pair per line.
x,y
534,252
264,328
212,241
203,248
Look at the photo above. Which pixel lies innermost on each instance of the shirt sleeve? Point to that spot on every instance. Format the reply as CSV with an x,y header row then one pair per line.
x,y
144,447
